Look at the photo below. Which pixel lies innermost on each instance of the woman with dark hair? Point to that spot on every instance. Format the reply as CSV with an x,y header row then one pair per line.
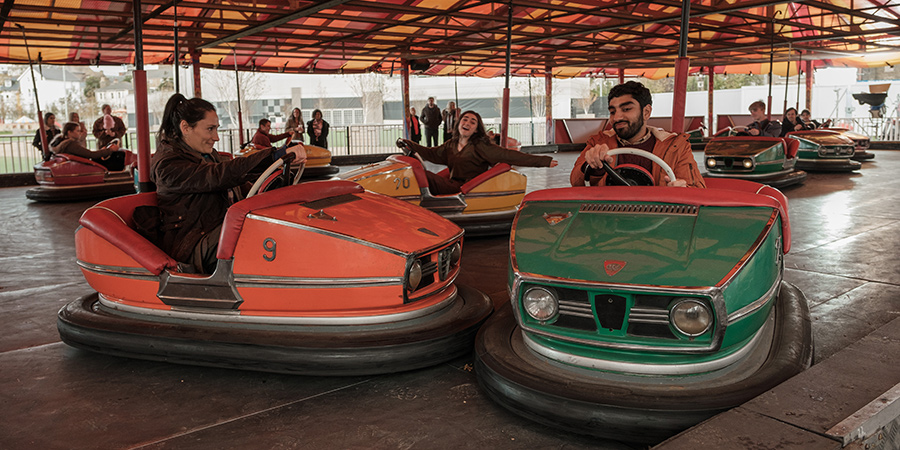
x,y
194,187
52,131
69,142
295,124
318,130
468,154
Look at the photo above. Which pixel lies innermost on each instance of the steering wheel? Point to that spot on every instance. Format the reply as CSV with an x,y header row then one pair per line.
x,y
614,174
408,151
284,163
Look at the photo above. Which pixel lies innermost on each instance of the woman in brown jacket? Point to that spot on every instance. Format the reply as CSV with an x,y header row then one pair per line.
x,y
468,154
69,142
194,188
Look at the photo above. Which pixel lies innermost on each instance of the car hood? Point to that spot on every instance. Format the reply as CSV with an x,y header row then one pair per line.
x,y
629,243
827,138
410,230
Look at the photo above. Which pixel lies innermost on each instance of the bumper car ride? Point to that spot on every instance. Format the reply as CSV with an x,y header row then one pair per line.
x,y
766,160
320,278
637,312
486,204
825,151
72,178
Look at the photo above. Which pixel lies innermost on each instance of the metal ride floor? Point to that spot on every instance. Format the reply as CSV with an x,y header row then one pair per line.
x,y
846,231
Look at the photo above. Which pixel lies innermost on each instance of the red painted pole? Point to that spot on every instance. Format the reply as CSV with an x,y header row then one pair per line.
x,y
548,105
404,86
195,65
140,103
504,119
709,96
682,64
809,84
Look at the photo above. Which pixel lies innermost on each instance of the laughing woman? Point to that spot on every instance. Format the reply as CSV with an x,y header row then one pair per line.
x,y
468,154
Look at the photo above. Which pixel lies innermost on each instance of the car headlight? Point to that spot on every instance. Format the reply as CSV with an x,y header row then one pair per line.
x,y
711,162
540,303
415,276
455,254
748,163
690,317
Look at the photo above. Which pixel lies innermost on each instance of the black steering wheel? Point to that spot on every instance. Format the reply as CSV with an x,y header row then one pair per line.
x,y
619,176
403,145
284,163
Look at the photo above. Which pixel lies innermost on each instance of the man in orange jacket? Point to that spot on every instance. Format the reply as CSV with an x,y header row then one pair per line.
x,y
630,105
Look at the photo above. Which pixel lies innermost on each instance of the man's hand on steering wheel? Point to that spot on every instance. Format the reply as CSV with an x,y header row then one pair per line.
x,y
598,161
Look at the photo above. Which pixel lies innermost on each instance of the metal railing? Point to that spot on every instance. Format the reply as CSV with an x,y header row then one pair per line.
x,y
17,155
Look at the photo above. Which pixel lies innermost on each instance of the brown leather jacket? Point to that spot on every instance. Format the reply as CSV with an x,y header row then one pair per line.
x,y
194,192
674,149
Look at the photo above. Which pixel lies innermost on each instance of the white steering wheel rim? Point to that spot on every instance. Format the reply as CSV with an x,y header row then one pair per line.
x,y
638,152
299,173
259,181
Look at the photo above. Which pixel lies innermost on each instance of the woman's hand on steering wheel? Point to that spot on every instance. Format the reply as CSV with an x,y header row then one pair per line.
x,y
403,144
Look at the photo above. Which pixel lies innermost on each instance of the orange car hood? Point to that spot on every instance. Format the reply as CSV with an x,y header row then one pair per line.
x,y
410,228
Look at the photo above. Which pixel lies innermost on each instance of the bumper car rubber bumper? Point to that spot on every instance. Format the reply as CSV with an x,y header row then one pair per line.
x,y
295,349
623,407
778,181
828,165
79,192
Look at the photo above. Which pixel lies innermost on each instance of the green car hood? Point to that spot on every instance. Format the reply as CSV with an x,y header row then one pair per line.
x,y
696,247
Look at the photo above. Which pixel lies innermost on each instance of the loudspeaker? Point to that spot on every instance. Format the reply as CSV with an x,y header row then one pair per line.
x,y
419,65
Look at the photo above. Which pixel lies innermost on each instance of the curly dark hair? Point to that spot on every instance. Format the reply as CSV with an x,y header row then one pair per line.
x,y
634,89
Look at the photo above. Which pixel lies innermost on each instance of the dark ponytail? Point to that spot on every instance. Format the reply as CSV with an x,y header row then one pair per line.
x,y
179,108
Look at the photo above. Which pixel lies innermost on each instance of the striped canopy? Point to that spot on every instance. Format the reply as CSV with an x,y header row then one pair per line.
x,y
463,37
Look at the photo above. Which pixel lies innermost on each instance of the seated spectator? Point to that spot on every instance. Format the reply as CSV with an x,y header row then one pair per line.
x,y
69,142
761,125
262,139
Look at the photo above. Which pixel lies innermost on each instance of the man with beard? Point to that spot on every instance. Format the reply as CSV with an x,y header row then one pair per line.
x,y
630,105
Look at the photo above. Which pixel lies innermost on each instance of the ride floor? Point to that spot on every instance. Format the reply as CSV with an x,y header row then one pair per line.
x,y
846,232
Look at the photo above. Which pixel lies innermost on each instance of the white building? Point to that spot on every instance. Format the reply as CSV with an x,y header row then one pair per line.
x,y
53,83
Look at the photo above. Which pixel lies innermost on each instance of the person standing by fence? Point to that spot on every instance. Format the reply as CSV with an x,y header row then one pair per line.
x,y
108,127
415,128
451,117
431,119
318,130
52,130
295,124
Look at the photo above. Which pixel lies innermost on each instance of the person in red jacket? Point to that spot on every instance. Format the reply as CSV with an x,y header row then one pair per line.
x,y
630,105
262,139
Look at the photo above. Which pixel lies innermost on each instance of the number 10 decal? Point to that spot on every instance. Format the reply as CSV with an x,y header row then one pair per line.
x,y
269,246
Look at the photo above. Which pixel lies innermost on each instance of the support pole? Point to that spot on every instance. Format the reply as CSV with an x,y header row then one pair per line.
x,y
809,84
404,87
504,115
682,67
621,75
799,72
709,106
237,81
531,108
177,55
548,105
142,115
45,146
787,79
195,65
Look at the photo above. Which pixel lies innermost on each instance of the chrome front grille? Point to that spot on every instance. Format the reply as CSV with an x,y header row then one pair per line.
x,y
836,150
632,208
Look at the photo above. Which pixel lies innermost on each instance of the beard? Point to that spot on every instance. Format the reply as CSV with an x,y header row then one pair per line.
x,y
631,130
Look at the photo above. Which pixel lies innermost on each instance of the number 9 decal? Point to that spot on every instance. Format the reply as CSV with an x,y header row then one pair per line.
x,y
269,246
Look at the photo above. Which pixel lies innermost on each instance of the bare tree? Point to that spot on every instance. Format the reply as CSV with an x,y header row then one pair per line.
x,y
371,89
253,85
588,94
